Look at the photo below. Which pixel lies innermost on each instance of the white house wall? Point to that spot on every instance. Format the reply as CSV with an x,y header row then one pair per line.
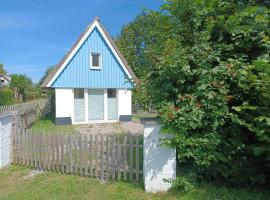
x,y
124,104
64,106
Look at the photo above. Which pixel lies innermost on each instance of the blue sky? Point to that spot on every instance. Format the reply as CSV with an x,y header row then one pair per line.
x,y
37,33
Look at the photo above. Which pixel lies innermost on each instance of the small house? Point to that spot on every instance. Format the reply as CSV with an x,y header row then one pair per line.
x,y
93,82
4,80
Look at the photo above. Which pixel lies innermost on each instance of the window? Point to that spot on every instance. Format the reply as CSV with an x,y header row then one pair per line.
x,y
2,80
78,93
111,93
95,60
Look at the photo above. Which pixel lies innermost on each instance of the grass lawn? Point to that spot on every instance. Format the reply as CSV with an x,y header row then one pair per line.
x,y
14,185
47,124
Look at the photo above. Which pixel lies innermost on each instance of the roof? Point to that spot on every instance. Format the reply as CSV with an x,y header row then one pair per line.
x,y
7,77
82,38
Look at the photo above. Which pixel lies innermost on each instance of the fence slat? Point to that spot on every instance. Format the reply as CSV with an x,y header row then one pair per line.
x,y
80,154
102,157
119,158
125,158
113,158
108,154
91,155
97,153
137,159
71,154
131,158
85,166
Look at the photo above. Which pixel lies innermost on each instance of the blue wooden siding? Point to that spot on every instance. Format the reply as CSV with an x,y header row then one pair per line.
x,y
77,74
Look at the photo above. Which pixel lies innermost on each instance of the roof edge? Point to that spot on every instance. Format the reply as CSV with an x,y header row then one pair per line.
x,y
62,61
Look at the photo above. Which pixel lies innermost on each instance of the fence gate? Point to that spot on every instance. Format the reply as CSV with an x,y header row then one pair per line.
x,y
103,156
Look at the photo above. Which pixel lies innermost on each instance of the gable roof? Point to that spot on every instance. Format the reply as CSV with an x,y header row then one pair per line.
x,y
6,77
69,55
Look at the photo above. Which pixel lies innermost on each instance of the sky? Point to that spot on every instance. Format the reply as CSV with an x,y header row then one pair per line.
x,y
35,34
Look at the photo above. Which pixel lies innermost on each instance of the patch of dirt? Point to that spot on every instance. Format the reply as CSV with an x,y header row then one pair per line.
x,y
32,174
112,128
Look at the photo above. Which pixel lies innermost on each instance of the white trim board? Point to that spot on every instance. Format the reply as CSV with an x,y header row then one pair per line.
x,y
95,24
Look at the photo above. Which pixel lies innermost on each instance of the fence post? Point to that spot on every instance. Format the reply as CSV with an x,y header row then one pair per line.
x,y
5,140
159,162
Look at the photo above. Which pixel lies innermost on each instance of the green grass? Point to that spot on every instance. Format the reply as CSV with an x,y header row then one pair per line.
x,y
47,124
13,186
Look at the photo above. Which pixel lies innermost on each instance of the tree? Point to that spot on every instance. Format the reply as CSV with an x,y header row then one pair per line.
x,y
20,83
47,72
208,75
6,96
2,70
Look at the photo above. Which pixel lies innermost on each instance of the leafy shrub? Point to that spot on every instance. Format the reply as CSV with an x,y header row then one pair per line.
x,y
6,96
208,74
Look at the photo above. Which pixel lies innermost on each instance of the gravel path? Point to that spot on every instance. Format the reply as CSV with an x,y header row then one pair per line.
x,y
112,128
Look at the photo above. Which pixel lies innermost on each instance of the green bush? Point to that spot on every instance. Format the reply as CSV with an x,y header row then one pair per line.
x,y
6,96
208,74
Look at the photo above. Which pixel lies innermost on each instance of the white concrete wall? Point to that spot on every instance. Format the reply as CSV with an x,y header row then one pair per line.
x,y
5,140
64,103
159,162
124,102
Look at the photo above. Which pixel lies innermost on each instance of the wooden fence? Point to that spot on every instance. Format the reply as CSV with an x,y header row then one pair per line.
x,y
117,157
25,114
41,104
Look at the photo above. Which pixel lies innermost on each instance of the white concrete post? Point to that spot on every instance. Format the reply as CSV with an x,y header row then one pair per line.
x,y
159,162
5,140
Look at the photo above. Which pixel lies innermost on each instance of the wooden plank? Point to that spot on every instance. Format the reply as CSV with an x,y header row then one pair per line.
x,y
125,158
14,148
80,153
91,149
119,158
49,152
68,153
108,154
71,154
85,166
35,150
16,145
113,157
53,152
45,150
57,153
75,154
61,140
137,159
66,157
22,147
38,150
97,157
28,149
32,150
131,157
102,157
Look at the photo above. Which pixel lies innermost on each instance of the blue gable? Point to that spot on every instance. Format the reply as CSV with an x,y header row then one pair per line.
x,y
78,74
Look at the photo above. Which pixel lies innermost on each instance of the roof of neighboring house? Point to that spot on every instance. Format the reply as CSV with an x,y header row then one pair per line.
x,y
65,58
6,77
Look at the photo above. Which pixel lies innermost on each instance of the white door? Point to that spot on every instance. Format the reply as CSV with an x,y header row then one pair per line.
x,y
112,104
95,104
79,109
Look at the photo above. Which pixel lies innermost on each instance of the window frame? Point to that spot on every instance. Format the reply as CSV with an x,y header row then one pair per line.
x,y
99,60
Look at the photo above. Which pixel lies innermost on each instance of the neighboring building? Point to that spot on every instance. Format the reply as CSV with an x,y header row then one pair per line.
x,y
4,80
93,82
